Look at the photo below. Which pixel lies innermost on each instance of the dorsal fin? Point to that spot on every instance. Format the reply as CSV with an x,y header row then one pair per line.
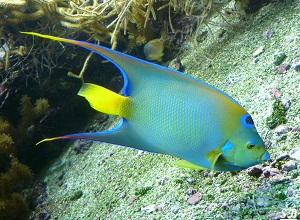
x,y
136,72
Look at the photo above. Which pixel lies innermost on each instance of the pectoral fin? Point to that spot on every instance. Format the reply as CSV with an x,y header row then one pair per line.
x,y
187,164
105,100
213,156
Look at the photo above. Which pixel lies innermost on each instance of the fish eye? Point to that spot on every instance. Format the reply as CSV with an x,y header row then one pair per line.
x,y
251,145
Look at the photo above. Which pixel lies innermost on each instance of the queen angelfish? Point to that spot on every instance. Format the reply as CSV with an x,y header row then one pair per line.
x,y
169,112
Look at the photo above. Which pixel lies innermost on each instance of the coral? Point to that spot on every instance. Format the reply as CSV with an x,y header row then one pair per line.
x,y
41,107
32,113
14,13
278,115
14,207
14,178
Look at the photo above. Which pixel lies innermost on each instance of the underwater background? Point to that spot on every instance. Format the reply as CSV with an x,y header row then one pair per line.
x,y
247,48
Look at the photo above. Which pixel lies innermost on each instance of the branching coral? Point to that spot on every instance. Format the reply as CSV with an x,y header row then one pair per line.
x,y
133,22
14,178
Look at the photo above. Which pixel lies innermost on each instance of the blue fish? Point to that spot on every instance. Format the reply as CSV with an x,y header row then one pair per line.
x,y
169,112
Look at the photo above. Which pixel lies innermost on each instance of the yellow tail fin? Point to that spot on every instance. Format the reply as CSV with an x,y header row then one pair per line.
x,y
105,100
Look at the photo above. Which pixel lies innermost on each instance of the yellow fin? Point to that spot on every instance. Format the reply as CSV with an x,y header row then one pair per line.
x,y
160,59
46,139
105,100
213,156
187,164
46,36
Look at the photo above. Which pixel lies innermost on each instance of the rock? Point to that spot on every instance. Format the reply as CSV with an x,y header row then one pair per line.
x,y
269,34
282,129
296,129
279,158
194,199
149,208
191,191
290,165
295,153
258,51
163,180
190,180
269,171
159,208
279,57
256,170
176,64
175,209
282,68
122,195
262,202
132,199
275,215
140,153
296,64
286,104
276,93
44,216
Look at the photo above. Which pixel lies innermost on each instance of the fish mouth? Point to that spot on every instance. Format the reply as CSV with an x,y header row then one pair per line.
x,y
266,156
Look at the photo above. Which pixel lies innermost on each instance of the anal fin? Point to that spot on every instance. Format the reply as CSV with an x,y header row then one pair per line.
x,y
190,165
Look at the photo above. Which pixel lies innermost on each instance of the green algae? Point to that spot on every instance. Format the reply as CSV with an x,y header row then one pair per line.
x,y
278,115
77,195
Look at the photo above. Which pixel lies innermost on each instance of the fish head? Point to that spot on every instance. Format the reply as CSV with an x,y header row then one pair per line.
x,y
245,147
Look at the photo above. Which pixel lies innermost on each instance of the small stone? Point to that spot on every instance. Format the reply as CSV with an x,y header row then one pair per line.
x,y
258,51
275,215
236,208
269,34
256,170
191,191
132,199
140,153
174,209
290,191
276,93
194,199
279,57
159,208
290,165
190,181
162,181
44,216
122,195
286,104
149,208
262,202
296,64
176,64
296,129
282,129
282,68
279,158
269,172
295,153
111,153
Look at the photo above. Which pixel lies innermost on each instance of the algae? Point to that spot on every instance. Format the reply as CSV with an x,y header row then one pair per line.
x,y
278,115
